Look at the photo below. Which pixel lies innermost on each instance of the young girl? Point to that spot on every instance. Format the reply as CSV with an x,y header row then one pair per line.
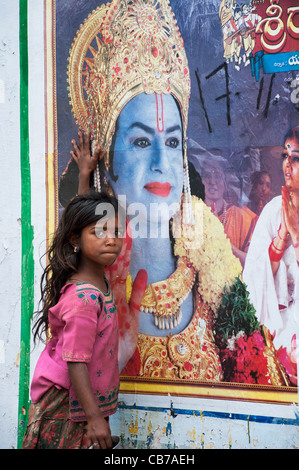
x,y
76,380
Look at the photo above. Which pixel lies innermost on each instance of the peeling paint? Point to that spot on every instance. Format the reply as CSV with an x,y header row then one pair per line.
x,y
168,430
229,435
17,361
133,427
155,428
158,435
150,436
248,429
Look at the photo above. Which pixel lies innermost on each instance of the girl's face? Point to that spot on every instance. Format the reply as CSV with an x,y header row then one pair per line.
x,y
100,243
290,163
214,183
263,188
148,157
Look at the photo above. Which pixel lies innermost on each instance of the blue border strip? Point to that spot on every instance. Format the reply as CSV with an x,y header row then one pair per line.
x,y
213,414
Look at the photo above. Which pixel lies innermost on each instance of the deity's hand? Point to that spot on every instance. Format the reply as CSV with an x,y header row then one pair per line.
x,y
290,219
128,312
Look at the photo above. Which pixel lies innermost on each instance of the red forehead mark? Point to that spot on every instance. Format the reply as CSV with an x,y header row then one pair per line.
x,y
160,117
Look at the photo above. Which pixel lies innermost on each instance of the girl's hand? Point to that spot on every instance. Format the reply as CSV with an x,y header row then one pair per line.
x,y
98,433
97,429
82,154
85,160
290,219
128,312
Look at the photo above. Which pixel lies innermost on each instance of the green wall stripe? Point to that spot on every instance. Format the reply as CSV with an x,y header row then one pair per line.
x,y
27,263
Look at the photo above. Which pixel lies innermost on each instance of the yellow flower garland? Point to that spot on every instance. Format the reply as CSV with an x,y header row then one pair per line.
x,y
209,250
210,253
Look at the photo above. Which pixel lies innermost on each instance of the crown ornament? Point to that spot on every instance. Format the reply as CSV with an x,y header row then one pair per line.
x,y
122,49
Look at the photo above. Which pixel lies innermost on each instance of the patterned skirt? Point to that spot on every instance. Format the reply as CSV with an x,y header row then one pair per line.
x,y
49,423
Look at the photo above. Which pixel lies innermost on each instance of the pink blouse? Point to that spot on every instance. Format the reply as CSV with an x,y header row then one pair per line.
x,y
84,328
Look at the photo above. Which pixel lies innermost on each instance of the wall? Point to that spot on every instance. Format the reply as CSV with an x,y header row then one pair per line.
x,y
196,423
13,197
143,421
10,225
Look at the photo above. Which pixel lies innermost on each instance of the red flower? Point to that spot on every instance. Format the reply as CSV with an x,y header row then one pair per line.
x,y
246,363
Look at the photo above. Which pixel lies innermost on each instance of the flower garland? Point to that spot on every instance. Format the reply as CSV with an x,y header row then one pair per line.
x,y
246,355
209,250
244,361
246,348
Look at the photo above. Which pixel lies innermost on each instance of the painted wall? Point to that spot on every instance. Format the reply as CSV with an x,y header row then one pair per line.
x,y
142,421
196,423
10,251
12,195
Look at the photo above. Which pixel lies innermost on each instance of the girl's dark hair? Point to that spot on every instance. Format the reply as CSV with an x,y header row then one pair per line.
x,y
62,261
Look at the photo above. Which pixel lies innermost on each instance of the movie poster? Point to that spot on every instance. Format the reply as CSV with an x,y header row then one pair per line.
x,y
192,102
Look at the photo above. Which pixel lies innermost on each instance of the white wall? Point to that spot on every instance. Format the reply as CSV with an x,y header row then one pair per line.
x,y
10,223
10,196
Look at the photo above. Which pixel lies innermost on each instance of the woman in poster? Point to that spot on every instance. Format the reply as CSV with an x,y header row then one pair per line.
x,y
272,264
129,88
238,222
260,193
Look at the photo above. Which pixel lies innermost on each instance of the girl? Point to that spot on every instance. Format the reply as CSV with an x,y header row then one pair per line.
x,y
76,380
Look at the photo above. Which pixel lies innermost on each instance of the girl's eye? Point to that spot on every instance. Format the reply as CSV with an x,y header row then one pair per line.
x,y
295,159
173,142
100,233
142,142
119,233
284,156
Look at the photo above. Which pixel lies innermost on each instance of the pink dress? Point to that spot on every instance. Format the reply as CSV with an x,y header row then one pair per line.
x,y
84,328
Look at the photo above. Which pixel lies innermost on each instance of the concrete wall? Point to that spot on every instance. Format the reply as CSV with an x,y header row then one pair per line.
x,y
11,198
10,226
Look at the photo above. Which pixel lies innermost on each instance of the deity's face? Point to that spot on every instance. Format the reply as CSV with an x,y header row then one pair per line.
x,y
147,154
214,182
291,163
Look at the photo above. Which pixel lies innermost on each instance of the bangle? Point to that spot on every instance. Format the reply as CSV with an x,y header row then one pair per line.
x,y
273,255
277,249
282,239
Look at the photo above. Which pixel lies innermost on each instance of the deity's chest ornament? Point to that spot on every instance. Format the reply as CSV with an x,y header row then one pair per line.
x,y
163,299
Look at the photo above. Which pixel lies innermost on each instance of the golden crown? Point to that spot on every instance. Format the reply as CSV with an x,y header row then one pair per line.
x,y
122,49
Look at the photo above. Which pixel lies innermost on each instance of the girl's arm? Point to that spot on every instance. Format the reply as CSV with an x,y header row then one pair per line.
x,y
98,430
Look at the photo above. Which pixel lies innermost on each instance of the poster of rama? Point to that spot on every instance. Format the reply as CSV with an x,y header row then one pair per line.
x,y
195,108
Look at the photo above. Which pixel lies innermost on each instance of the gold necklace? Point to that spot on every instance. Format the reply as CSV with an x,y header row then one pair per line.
x,y
163,299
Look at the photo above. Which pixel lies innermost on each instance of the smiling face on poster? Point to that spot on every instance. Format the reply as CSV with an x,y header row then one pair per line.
x,y
129,68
